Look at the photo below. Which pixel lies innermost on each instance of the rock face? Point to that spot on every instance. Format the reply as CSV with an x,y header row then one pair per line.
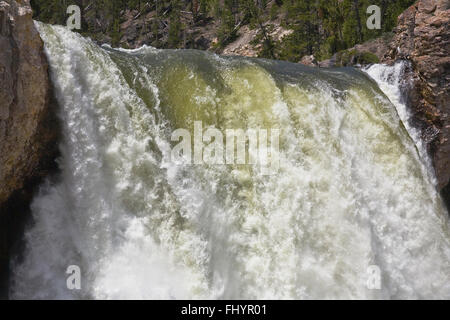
x,y
423,37
247,44
28,126
24,97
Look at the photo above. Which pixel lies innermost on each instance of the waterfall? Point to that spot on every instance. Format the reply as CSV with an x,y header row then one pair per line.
x,y
391,80
351,192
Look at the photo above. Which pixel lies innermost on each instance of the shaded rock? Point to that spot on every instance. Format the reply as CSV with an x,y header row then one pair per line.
x,y
28,125
328,63
25,96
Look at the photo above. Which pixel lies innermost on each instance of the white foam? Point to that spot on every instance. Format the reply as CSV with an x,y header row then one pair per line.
x,y
350,192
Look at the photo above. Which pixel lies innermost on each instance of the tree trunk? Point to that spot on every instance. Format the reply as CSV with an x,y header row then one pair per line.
x,y
358,20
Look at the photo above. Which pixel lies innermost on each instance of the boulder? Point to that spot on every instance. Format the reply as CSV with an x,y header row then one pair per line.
x,y
309,61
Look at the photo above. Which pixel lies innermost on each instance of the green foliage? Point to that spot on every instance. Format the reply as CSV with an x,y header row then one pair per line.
x,y
367,58
175,27
320,27
274,11
352,57
324,27
155,31
227,30
53,12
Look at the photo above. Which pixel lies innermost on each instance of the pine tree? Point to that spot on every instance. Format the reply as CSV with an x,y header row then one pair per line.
x,y
320,27
175,28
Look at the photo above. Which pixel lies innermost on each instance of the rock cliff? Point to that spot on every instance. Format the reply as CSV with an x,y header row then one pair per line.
x,y
423,37
28,126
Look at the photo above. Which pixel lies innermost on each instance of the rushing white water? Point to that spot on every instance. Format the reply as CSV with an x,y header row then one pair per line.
x,y
391,80
351,191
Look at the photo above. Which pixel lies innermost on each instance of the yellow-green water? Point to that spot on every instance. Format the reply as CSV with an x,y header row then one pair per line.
x,y
351,190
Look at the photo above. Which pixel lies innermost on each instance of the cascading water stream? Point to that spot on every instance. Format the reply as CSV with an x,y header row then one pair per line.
x,y
351,191
391,80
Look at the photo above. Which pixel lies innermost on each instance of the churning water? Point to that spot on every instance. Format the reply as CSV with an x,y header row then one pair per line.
x,y
352,190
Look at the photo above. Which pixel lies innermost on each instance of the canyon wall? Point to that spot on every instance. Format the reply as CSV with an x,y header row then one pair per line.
x,y
28,125
422,36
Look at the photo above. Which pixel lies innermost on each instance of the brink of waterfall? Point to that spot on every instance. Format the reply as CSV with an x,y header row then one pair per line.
x,y
353,189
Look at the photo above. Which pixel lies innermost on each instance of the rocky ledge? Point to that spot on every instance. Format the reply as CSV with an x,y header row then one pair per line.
x,y
28,126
